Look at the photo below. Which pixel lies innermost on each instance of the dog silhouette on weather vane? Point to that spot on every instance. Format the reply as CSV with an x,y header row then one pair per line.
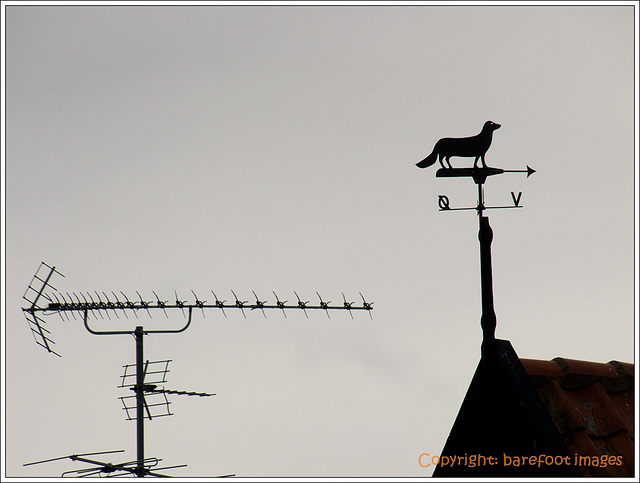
x,y
469,147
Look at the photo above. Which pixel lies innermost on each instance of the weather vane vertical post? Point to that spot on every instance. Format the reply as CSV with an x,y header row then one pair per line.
x,y
475,147
485,236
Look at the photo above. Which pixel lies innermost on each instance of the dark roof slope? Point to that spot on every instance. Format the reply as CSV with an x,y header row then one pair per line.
x,y
503,423
592,406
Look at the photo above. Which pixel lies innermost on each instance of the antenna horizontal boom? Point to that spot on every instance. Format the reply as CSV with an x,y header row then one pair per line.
x,y
105,304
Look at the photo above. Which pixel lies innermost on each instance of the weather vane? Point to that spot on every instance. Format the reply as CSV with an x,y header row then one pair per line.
x,y
475,147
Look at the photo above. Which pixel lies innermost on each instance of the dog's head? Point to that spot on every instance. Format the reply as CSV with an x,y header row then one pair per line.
x,y
490,126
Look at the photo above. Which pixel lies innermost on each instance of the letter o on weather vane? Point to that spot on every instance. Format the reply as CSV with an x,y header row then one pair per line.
x,y
443,202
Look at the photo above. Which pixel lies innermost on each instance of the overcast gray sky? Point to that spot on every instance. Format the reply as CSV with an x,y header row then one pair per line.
x,y
273,148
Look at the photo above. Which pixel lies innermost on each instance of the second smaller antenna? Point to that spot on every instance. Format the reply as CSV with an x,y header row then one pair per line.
x,y
154,374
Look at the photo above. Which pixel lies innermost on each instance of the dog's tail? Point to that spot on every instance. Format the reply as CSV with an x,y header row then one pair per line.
x,y
429,160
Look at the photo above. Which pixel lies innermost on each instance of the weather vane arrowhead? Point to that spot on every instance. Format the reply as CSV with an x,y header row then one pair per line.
x,y
530,171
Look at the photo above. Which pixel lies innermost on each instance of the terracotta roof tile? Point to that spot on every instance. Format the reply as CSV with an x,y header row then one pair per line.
x,y
597,413
572,366
560,407
623,367
586,453
623,402
541,368
592,406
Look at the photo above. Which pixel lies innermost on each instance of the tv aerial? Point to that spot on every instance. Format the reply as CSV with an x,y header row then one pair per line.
x,y
145,378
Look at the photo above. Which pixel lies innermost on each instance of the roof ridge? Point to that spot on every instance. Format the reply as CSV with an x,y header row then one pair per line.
x,y
574,374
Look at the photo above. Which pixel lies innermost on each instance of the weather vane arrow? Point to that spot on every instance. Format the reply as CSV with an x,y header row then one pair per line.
x,y
479,175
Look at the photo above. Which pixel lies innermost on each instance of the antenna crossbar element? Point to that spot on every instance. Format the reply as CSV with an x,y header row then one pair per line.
x,y
155,373
73,457
153,407
40,282
36,325
100,468
34,293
